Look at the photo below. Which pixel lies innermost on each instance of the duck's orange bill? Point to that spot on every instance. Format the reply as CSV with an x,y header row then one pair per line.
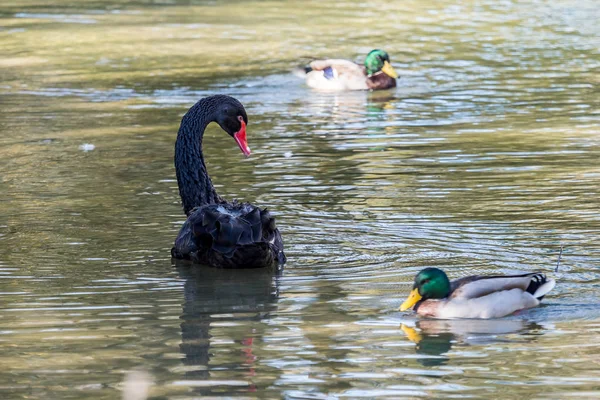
x,y
240,139
413,298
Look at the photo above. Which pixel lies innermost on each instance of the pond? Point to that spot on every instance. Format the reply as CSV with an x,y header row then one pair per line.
x,y
483,160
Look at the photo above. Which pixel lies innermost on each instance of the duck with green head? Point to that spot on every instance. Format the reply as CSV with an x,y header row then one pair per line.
x,y
434,295
337,75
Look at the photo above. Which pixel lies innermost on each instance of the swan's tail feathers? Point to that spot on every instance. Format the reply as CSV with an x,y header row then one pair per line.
x,y
540,285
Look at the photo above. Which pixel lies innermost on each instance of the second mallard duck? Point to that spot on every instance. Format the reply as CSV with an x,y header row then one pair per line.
x,y
338,75
433,295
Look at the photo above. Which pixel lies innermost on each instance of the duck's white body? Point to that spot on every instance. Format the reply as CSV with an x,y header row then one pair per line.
x,y
487,297
493,305
336,75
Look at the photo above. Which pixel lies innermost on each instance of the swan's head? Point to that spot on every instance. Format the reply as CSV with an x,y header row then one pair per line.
x,y
232,118
379,60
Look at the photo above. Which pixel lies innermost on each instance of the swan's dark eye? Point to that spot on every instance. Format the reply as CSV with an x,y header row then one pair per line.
x,y
240,118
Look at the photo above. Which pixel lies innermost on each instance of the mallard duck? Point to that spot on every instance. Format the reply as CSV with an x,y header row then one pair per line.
x,y
433,295
338,75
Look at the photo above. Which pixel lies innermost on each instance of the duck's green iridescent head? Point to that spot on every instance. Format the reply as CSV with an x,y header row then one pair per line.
x,y
430,283
379,60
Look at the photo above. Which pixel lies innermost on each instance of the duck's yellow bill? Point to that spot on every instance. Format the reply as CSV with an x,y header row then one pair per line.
x,y
389,70
413,299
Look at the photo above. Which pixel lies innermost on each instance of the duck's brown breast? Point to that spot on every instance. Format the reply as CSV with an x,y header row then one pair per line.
x,y
380,81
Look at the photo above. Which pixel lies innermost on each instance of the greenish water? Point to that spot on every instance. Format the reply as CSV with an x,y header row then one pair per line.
x,y
483,160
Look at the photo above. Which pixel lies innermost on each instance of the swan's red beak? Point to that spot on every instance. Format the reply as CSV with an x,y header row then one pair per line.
x,y
240,139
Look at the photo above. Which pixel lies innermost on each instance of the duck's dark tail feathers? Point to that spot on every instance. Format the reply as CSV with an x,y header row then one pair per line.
x,y
301,72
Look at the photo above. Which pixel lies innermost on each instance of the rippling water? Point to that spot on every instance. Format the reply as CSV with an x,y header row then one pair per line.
x,y
483,160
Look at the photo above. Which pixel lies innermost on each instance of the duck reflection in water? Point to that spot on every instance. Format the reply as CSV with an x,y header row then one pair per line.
x,y
356,111
224,305
435,337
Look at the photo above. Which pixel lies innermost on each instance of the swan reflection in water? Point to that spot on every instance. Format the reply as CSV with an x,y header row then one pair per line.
x,y
436,337
224,313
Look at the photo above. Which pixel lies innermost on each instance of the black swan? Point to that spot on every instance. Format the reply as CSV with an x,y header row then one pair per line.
x,y
218,233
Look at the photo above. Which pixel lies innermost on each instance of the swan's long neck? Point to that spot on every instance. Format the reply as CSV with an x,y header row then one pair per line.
x,y
195,186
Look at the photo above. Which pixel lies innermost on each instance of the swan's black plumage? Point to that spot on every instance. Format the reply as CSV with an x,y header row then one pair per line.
x,y
218,233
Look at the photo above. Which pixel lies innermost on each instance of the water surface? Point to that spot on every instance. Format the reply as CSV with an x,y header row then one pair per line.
x,y
483,160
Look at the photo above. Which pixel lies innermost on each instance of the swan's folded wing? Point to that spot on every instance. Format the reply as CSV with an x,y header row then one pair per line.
x,y
209,216
253,219
477,286
185,243
224,228
228,235
271,235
